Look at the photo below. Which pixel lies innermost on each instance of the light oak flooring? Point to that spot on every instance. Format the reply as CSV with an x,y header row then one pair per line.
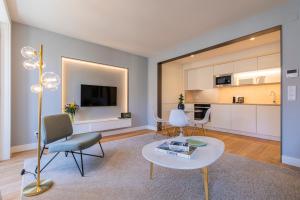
x,y
257,149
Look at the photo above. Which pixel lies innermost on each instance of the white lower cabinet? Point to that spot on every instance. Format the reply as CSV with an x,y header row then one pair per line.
x,y
101,125
252,120
221,116
268,120
243,118
189,109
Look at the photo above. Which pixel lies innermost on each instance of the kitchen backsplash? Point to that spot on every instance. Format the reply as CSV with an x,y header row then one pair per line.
x,y
256,94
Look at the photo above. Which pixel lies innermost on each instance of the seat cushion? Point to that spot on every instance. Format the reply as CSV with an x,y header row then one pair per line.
x,y
76,142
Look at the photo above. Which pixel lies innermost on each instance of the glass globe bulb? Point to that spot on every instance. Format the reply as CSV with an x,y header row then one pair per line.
x,y
28,52
30,64
50,80
36,88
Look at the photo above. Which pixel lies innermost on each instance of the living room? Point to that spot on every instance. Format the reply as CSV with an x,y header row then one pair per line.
x,y
81,109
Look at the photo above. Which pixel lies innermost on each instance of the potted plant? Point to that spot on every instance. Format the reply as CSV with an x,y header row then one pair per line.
x,y
180,104
71,109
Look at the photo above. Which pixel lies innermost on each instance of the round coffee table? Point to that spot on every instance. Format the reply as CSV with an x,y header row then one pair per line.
x,y
201,158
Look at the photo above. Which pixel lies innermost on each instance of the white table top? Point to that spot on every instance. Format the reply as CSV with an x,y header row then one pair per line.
x,y
202,157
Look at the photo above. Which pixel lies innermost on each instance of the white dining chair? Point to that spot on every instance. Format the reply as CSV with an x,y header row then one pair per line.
x,y
178,119
202,122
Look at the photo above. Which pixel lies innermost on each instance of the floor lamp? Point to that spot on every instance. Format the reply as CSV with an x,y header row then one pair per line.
x,y
47,80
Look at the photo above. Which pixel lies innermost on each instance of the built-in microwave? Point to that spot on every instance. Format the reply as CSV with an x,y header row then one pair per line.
x,y
223,80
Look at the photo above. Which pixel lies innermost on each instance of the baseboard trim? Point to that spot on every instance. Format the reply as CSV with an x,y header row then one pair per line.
x,y
255,135
24,147
291,161
27,147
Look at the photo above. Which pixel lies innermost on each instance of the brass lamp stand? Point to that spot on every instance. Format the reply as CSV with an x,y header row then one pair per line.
x,y
47,80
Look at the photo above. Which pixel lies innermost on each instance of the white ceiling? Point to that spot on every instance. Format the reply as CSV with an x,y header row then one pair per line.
x,y
143,27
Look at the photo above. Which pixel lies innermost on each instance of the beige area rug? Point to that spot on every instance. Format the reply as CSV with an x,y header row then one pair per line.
x,y
124,174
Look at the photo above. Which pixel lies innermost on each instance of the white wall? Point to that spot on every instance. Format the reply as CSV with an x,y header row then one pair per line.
x,y
172,87
288,17
5,82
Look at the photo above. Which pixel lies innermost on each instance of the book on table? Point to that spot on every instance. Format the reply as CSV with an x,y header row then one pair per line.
x,y
183,149
195,142
176,145
165,148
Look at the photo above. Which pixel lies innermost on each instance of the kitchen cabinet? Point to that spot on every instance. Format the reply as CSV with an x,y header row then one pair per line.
x,y
190,115
268,120
189,107
268,76
226,68
243,118
192,79
269,61
221,116
189,110
245,65
200,78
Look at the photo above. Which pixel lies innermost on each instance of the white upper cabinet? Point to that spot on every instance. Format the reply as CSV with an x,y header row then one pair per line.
x,y
243,118
226,68
200,78
268,120
221,116
245,65
269,61
192,79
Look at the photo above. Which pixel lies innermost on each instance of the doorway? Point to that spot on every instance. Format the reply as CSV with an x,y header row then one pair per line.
x,y
247,111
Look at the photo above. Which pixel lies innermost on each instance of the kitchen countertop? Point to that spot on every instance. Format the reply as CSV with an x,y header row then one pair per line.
x,y
258,104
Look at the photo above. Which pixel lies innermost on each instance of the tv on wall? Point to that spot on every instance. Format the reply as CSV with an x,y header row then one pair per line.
x,y
93,95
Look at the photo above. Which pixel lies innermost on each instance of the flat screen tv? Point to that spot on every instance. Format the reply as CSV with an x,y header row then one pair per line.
x,y
93,95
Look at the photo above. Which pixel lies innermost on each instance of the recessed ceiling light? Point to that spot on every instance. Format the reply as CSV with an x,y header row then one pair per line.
x,y
192,56
253,38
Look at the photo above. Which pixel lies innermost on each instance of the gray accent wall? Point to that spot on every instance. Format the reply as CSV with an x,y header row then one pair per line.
x,y
288,17
56,46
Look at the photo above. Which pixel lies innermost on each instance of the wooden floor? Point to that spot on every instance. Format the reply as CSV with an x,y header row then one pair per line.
x,y
257,149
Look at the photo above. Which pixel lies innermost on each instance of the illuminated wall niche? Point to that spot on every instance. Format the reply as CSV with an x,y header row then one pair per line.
x,y
76,72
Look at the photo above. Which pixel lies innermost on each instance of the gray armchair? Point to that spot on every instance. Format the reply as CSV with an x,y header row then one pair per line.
x,y
58,137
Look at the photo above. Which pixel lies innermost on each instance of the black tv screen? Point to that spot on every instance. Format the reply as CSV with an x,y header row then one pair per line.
x,y
93,95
